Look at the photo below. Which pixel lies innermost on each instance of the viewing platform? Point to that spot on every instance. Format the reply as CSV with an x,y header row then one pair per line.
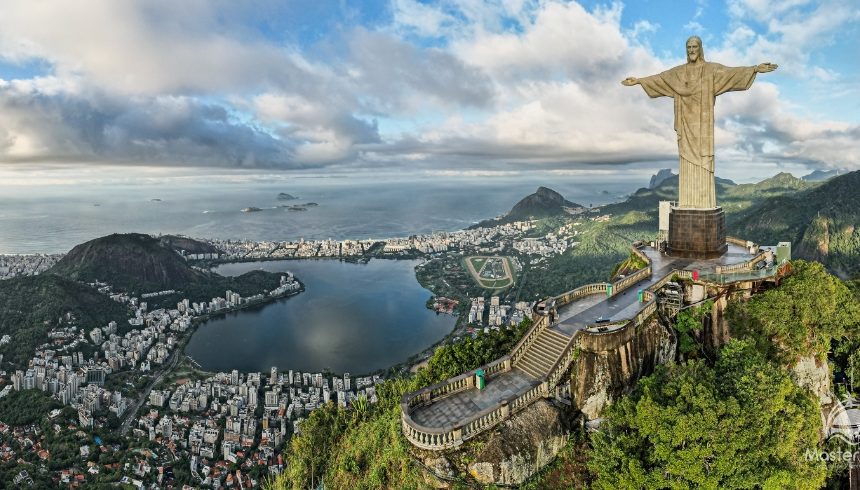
x,y
446,414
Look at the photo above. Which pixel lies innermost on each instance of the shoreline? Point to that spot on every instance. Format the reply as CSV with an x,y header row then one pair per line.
x,y
399,369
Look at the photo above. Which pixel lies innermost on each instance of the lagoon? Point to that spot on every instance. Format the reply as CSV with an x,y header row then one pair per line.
x,y
354,318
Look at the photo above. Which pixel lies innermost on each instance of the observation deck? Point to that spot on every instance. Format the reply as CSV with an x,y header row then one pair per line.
x,y
446,414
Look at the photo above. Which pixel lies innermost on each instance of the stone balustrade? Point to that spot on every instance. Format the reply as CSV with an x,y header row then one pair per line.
x,y
743,266
563,361
626,282
573,294
539,325
740,242
439,438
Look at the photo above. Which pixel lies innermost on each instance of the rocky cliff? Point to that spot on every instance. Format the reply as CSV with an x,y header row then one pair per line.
x,y
509,454
610,364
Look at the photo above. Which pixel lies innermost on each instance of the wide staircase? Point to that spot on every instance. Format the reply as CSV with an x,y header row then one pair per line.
x,y
542,354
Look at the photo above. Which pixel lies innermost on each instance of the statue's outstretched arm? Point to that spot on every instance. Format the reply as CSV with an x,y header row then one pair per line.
x,y
766,67
630,81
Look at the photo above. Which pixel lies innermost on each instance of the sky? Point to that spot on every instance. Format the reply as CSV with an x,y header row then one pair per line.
x,y
405,86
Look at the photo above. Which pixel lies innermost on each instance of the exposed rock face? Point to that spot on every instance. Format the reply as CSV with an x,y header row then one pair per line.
x,y
814,376
508,454
716,329
610,364
521,446
659,177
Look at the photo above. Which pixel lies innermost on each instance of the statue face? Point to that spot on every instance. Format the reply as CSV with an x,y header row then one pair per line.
x,y
694,49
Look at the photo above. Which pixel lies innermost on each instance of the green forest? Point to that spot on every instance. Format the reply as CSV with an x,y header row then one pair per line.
x,y
736,420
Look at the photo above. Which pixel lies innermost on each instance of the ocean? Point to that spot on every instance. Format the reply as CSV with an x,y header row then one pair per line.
x,y
52,218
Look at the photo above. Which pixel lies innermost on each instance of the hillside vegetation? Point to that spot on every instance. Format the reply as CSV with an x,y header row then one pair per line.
x,y
363,447
821,222
737,421
130,262
31,306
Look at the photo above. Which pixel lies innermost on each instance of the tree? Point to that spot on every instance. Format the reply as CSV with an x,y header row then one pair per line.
x,y
739,424
687,322
799,318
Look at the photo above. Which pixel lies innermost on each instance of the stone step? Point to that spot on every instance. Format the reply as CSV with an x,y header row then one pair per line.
x,y
539,363
554,337
550,346
562,338
530,370
550,356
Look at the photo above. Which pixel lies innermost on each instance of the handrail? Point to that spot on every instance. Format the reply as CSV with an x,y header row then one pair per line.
x,y
564,360
740,242
541,324
584,290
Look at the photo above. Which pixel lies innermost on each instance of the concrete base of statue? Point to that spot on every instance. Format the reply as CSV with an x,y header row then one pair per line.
x,y
697,233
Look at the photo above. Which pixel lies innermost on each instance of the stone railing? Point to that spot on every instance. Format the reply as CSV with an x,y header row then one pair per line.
x,y
635,248
456,384
539,326
563,361
742,266
444,437
650,300
739,242
622,284
643,273
588,289
682,274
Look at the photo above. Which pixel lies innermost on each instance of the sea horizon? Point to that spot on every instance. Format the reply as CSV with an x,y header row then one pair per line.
x,y
51,218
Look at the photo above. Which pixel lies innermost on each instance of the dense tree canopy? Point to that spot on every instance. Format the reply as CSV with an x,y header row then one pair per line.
x,y
739,424
799,318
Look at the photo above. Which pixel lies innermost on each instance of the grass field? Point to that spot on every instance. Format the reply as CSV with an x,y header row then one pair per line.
x,y
477,265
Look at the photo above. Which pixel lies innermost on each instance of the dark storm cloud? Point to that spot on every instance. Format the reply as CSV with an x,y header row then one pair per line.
x,y
169,130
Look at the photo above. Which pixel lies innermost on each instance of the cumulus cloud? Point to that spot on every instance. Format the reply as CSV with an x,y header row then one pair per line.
x,y
39,126
481,86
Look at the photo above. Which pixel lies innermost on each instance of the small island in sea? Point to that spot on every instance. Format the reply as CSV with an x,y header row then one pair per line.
x,y
283,196
251,209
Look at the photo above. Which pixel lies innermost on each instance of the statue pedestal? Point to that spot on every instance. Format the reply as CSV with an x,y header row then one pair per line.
x,y
697,233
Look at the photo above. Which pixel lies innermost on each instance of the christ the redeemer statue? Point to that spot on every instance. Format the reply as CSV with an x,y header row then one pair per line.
x,y
695,86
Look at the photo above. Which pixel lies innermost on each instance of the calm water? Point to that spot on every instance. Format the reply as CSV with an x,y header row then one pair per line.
x,y
53,218
351,318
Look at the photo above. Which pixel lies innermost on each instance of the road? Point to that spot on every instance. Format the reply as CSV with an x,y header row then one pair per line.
x,y
170,365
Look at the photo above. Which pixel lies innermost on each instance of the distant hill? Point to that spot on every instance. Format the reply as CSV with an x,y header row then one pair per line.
x,y
821,222
543,203
130,262
821,175
659,177
734,198
30,306
188,245
283,196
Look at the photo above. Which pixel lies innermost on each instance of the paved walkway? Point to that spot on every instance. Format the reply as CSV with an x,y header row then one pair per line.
x,y
578,314
572,317
460,405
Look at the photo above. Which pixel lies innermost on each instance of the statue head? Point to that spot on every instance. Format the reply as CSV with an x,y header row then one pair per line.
x,y
694,49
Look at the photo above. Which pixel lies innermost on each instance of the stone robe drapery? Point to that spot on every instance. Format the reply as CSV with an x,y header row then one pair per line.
x,y
695,86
